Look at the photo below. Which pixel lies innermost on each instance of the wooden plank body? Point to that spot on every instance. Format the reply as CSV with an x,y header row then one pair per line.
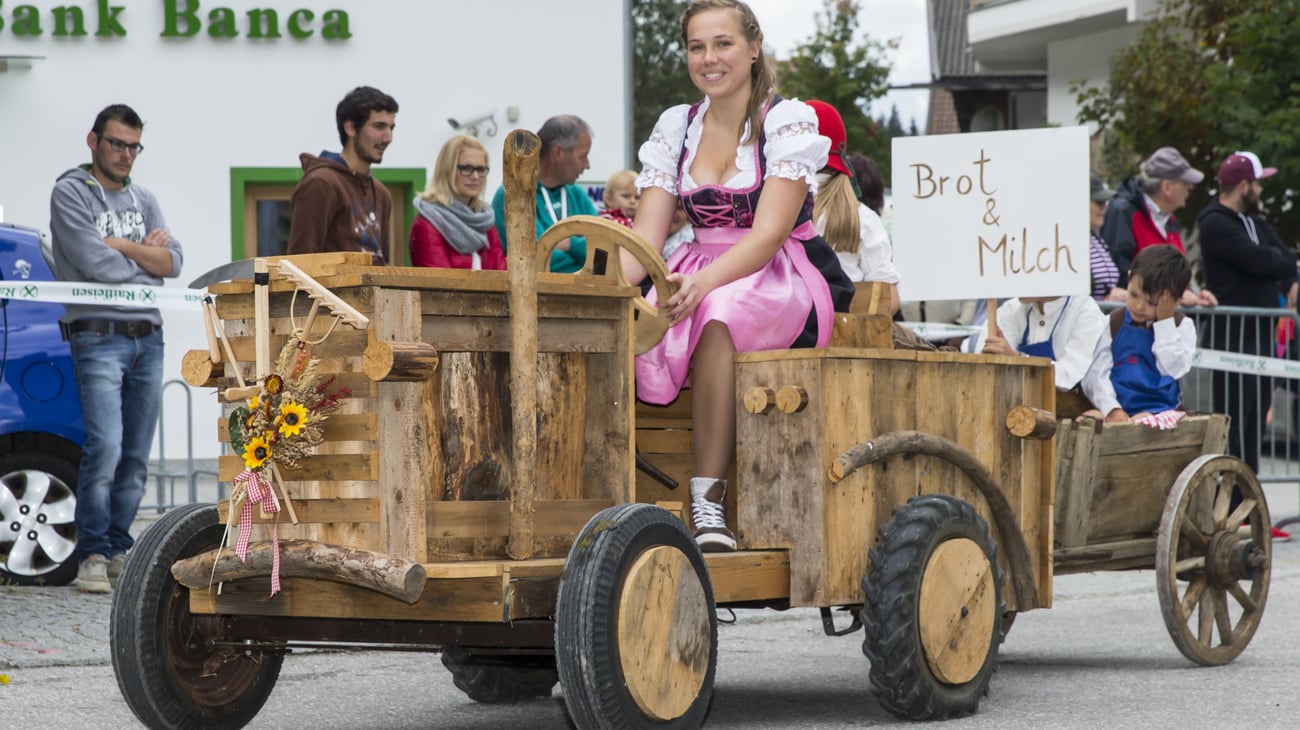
x,y
786,499
422,469
1112,483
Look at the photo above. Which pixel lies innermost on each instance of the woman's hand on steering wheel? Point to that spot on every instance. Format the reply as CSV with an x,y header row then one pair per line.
x,y
690,292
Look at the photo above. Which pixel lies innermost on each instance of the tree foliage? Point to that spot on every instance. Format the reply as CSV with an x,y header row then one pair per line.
x,y
845,69
660,77
1209,77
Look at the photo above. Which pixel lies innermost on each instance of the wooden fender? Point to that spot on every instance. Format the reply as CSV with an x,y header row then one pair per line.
x,y
915,442
307,559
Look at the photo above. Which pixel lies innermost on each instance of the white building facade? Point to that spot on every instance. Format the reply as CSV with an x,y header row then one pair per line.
x,y
232,91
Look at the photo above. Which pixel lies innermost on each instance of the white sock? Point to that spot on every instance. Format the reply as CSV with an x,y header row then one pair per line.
x,y
700,485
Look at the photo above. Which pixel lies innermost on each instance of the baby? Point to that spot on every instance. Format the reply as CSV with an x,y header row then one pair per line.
x,y
621,198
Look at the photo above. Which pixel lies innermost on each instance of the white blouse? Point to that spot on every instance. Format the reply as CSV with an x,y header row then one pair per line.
x,y
794,149
874,259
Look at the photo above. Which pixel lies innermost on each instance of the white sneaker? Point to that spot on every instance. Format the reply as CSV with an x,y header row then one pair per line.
x,y
709,517
115,568
92,576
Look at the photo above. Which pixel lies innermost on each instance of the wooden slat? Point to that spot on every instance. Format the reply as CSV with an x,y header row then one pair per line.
x,y
463,599
1135,438
749,575
404,413
561,417
1077,448
484,334
330,467
664,441
1216,435
492,519
1104,556
317,511
348,427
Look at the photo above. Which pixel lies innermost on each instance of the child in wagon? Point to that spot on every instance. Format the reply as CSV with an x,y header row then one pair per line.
x,y
1064,329
1148,345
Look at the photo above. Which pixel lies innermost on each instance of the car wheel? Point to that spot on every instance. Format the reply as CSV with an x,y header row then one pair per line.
x,y
38,504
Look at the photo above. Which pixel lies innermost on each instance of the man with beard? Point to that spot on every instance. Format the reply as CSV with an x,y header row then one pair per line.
x,y
1246,265
338,206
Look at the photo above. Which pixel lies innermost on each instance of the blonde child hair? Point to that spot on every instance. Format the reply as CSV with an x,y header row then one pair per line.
x,y
837,201
618,181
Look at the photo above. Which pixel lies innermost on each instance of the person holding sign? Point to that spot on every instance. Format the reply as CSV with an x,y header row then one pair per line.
x,y
850,227
743,164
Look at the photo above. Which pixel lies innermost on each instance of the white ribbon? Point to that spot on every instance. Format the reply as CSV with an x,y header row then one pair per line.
x,y
83,292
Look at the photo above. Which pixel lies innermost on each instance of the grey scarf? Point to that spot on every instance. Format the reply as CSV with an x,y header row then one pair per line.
x,y
465,230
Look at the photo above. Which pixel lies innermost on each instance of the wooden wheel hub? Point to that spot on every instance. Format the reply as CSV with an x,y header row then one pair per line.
x,y
958,605
663,632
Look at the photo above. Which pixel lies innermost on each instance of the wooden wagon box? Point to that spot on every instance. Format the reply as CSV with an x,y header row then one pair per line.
x,y
828,401
420,468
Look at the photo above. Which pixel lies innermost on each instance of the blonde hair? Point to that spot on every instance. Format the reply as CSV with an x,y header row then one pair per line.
x,y
442,184
619,180
837,202
761,76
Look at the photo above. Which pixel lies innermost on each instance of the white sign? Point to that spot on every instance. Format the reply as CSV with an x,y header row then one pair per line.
x,y
992,214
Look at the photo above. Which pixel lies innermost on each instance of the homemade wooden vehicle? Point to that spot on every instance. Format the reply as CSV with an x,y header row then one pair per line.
x,y
1131,498
478,494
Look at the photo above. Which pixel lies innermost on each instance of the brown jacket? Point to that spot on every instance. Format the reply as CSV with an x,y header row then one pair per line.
x,y
336,209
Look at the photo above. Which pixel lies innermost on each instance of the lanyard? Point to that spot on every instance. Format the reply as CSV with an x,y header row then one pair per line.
x,y
550,206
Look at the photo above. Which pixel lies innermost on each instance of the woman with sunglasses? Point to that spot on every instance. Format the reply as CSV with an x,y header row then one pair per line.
x,y
455,229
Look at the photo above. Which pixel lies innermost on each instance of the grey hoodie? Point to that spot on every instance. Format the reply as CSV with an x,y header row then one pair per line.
x,y
82,215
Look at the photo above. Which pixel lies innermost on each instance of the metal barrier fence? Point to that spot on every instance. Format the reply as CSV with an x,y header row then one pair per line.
x,y
165,472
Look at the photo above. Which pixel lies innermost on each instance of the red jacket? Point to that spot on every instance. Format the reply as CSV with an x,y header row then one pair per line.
x,y
1128,228
429,248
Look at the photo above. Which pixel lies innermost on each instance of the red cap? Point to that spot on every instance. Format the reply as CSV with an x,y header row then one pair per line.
x,y
831,125
1240,167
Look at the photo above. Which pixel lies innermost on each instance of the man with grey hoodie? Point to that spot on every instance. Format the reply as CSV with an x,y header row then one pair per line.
x,y
108,230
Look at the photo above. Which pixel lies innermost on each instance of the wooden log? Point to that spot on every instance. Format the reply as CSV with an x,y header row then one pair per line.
x,y
385,574
399,361
522,150
473,435
792,399
1028,422
759,400
915,442
198,370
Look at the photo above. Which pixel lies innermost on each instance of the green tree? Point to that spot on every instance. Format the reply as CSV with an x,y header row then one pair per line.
x,y
844,69
660,77
1209,77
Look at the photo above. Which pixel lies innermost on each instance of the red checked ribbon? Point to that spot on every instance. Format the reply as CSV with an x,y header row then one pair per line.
x,y
1164,420
258,491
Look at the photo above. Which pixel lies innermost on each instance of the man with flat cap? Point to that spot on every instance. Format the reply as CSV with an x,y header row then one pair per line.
x,y
1247,265
1142,213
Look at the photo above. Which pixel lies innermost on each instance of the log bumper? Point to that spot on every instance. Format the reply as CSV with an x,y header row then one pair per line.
x,y
367,569
911,443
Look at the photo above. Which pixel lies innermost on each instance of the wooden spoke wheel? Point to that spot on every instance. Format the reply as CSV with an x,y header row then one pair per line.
x,y
933,613
636,637
610,237
1213,560
167,669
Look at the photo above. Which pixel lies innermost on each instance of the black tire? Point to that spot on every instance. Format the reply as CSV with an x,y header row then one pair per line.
x,y
596,690
901,675
502,678
38,501
158,648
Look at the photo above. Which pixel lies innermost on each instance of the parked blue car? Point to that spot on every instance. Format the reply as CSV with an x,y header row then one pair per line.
x,y
41,426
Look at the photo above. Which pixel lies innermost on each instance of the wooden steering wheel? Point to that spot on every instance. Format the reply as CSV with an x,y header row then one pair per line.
x,y
610,237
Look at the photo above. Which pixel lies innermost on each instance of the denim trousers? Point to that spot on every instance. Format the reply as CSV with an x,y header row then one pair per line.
x,y
120,380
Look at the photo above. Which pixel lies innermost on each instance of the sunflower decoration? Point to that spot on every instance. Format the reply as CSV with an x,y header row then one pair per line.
x,y
284,423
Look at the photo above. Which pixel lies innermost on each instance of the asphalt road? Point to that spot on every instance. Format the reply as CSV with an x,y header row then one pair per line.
x,y
1100,658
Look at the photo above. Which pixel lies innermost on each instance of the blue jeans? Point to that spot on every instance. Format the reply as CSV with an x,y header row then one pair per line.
x,y
120,380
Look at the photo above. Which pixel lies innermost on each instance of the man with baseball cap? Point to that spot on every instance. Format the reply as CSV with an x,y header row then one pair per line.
x,y
1247,265
1142,212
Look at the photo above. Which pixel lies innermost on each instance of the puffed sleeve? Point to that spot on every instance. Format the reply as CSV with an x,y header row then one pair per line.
x,y
660,154
794,148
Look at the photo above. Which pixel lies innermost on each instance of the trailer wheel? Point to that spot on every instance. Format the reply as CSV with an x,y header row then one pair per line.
x,y
636,637
166,670
501,678
1212,567
933,611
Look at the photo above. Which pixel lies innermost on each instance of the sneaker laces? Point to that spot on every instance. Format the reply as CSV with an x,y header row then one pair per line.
x,y
708,514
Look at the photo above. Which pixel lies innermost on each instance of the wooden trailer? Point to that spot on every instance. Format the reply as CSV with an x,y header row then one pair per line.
x,y
477,493
1129,497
